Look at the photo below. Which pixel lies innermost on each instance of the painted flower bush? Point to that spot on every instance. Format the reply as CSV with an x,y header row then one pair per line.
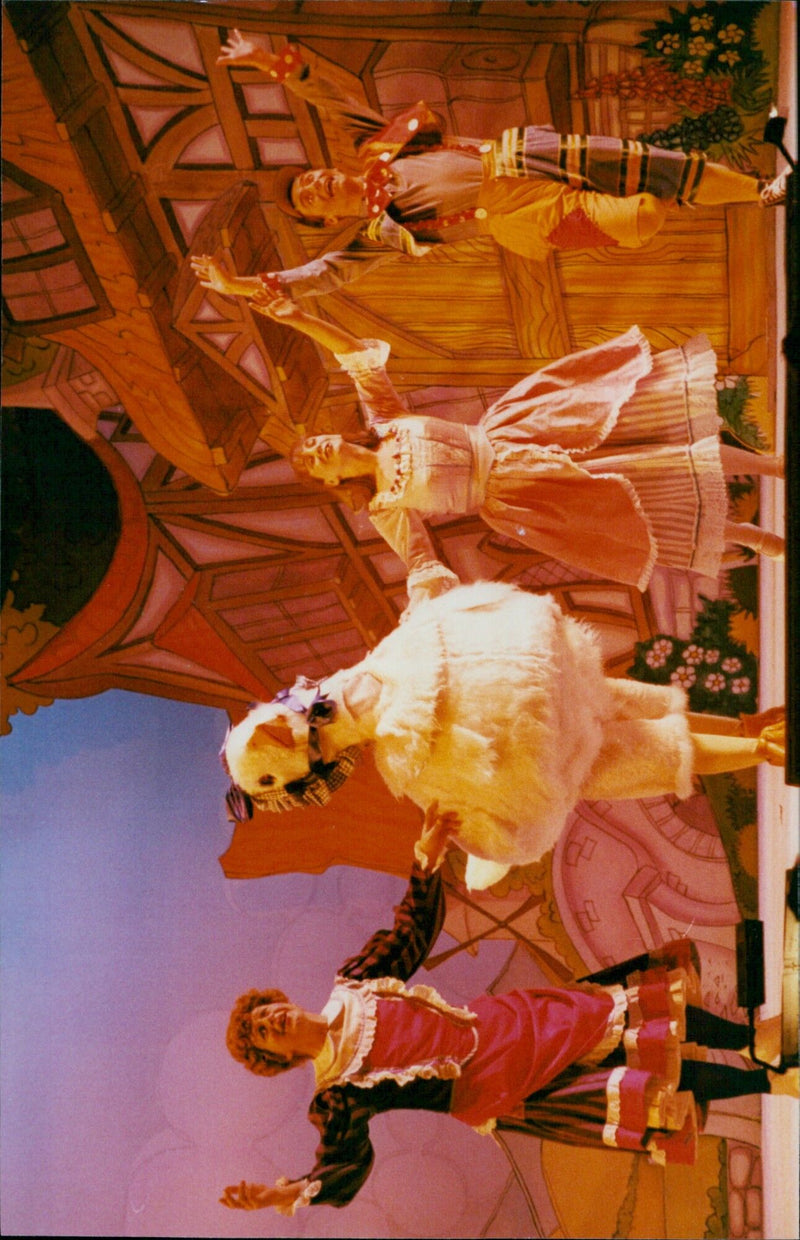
x,y
706,60
719,674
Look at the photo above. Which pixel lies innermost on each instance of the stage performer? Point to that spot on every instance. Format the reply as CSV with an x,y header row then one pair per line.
x,y
608,459
531,189
491,701
601,1065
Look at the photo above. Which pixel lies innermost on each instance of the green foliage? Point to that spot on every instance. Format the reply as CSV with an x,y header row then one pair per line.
x,y
750,88
719,674
732,402
741,804
625,1215
715,39
742,583
705,49
698,133
733,802
717,1220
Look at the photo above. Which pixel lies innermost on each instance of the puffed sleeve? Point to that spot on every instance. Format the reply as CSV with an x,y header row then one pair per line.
x,y
344,1154
406,533
376,392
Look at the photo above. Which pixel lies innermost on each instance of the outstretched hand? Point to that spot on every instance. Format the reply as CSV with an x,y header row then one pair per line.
x,y
278,308
213,273
245,52
432,845
281,1196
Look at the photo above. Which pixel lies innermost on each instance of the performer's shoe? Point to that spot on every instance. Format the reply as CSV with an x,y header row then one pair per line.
x,y
768,1040
773,193
768,544
787,1082
772,743
779,470
753,725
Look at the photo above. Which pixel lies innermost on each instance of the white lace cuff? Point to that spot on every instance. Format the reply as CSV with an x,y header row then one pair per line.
x,y
305,1197
428,581
373,356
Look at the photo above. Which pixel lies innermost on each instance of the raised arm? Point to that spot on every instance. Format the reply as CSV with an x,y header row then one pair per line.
x,y
336,340
406,533
400,951
364,360
284,1195
320,275
291,67
344,1158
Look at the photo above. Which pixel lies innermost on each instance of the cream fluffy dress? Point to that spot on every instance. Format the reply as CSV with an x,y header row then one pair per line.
x,y
494,703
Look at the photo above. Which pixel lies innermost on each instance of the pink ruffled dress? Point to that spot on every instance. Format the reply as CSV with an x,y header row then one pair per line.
x,y
607,459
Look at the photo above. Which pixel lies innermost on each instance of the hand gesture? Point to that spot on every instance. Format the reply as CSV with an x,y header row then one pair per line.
x,y
280,308
214,273
281,1196
433,843
245,52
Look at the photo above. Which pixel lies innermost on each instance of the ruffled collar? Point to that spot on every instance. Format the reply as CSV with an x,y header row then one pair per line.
x,y
342,1057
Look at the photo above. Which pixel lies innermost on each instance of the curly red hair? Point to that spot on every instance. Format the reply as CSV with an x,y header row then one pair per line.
x,y
239,1031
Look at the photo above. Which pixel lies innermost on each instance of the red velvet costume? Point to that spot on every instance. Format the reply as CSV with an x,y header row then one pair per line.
x,y
528,1059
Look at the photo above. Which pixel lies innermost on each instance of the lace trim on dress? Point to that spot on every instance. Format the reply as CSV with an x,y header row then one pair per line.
x,y
358,1035
615,1025
442,1068
701,395
676,1001
344,1052
373,356
626,380
401,464
429,581
305,1197
701,364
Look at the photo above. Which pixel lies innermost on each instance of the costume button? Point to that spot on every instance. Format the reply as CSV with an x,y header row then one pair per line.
x,y
481,213
485,147
413,124
386,156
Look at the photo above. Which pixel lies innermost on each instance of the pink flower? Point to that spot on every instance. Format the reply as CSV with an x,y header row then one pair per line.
x,y
693,654
740,685
662,645
731,664
685,677
715,681
711,656
654,658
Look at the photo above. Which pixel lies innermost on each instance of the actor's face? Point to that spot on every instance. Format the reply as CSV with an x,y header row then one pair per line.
x,y
326,193
322,456
283,1030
